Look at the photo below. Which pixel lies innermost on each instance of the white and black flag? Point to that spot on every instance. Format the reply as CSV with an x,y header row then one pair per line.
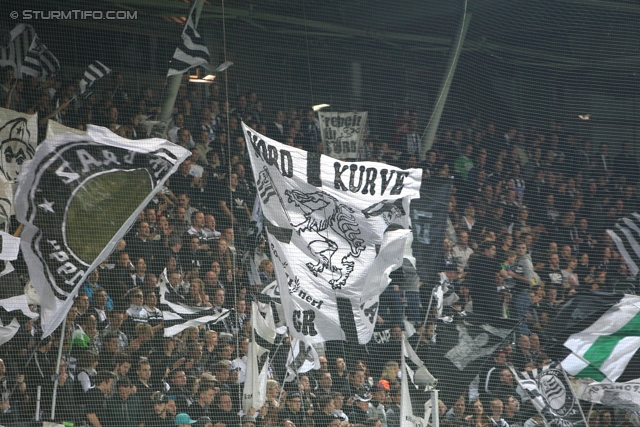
x,y
178,314
626,236
336,230
26,54
263,336
94,72
192,51
73,183
624,396
551,394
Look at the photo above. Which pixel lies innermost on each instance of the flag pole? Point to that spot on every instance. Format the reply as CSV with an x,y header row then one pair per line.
x,y
55,384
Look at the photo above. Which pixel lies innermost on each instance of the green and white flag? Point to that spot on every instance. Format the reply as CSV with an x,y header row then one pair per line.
x,y
603,351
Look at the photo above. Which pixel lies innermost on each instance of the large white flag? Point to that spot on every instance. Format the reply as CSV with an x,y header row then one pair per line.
x,y
342,133
263,336
77,198
336,230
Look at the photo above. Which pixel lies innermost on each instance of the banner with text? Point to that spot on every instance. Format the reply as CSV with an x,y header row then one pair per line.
x,y
77,186
336,230
342,133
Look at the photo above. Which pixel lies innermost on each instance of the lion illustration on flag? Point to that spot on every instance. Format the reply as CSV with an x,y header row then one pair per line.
x,y
323,212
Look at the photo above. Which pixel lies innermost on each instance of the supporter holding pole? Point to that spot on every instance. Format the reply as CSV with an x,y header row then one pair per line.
x,y
434,121
175,80
55,384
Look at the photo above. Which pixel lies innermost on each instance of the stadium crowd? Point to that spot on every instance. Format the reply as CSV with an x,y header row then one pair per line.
x,y
525,230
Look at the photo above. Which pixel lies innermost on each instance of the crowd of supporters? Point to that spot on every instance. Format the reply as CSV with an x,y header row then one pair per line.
x,y
525,230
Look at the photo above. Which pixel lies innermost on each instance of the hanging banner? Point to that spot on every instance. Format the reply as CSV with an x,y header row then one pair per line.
x,y
342,133
336,230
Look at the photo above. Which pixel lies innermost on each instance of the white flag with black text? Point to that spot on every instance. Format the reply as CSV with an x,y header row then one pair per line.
x,y
336,230
73,183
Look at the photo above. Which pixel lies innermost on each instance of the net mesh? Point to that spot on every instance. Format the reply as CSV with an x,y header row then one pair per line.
x,y
521,115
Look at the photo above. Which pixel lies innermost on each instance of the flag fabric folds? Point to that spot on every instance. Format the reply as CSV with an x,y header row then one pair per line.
x,y
178,314
603,349
407,417
302,358
626,236
39,61
18,142
263,336
336,230
624,396
93,73
13,311
462,348
72,183
551,394
192,51
26,54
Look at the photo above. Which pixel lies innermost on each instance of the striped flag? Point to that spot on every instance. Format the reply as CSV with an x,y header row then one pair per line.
x,y
192,51
40,62
179,315
26,54
626,235
94,72
604,350
551,394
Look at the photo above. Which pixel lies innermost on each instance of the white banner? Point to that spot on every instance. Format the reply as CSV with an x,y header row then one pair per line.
x,y
77,198
625,396
342,133
327,223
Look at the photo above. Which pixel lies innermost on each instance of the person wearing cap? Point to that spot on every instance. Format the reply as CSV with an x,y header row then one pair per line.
x,y
361,405
378,397
183,420
159,417
293,410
